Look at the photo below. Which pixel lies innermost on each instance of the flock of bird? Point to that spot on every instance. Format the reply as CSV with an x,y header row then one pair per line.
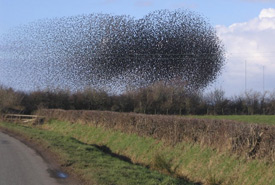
x,y
113,52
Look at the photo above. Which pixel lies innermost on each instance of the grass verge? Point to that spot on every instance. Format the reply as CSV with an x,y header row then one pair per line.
x,y
92,162
198,163
195,162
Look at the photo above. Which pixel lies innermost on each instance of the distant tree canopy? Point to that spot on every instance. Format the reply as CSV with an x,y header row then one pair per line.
x,y
101,50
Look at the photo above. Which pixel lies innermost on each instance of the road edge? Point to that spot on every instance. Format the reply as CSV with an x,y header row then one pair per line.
x,y
51,158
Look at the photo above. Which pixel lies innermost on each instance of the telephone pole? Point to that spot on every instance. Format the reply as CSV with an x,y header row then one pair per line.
x,y
263,79
245,76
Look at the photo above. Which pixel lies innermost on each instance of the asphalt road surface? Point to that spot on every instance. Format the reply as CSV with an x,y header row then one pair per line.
x,y
20,165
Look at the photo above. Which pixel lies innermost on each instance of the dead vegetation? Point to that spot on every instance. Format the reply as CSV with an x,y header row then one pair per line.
x,y
250,140
23,119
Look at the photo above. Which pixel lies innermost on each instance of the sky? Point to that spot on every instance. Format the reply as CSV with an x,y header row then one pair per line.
x,y
245,27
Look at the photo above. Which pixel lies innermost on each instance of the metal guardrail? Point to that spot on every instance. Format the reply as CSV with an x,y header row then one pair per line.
x,y
23,118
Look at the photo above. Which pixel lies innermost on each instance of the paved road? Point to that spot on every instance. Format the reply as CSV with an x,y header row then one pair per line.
x,y
20,165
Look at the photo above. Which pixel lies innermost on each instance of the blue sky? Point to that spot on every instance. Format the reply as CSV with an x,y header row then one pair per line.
x,y
225,12
246,27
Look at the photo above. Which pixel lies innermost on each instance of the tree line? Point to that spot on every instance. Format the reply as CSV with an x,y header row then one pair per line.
x,y
159,98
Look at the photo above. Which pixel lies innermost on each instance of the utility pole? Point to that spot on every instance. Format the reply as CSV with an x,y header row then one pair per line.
x,y
263,79
245,76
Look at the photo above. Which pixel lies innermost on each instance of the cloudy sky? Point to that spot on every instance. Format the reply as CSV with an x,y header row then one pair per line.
x,y
246,27
249,43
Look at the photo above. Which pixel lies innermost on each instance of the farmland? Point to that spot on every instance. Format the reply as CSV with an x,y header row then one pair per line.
x,y
183,149
82,149
258,119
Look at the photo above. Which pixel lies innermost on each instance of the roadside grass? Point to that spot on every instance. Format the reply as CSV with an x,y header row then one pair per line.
x,y
259,119
185,160
92,162
195,162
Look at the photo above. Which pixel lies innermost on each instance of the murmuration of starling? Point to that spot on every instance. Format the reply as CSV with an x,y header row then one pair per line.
x,y
113,52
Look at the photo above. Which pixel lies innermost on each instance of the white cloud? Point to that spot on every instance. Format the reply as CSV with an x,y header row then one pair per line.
x,y
253,42
267,13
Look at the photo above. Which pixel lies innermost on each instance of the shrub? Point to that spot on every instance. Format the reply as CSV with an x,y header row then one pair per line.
x,y
10,101
251,140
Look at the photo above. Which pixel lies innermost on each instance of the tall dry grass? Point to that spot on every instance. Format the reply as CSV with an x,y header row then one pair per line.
x,y
250,140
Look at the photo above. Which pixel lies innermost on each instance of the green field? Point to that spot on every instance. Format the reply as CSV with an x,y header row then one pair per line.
x,y
189,161
259,119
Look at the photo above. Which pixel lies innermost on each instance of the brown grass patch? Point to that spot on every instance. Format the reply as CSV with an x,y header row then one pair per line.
x,y
250,140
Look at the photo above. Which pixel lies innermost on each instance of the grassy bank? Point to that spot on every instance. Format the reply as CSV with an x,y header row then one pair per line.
x,y
259,119
201,164
244,139
93,163
87,149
